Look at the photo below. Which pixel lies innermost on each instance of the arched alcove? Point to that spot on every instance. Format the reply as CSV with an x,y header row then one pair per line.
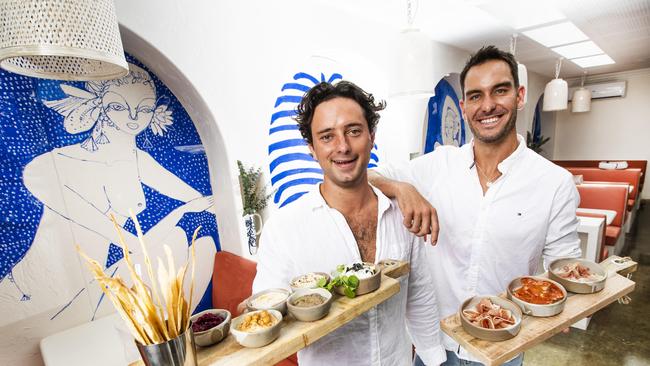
x,y
223,183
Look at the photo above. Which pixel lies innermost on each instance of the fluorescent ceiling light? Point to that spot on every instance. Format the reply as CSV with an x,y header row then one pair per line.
x,y
510,12
592,61
556,34
582,49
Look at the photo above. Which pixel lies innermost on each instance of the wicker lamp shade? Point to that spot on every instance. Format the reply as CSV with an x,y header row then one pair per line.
x,y
61,39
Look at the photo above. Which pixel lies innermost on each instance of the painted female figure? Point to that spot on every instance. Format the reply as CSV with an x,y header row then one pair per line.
x,y
82,185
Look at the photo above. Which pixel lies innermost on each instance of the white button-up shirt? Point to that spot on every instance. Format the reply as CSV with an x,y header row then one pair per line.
x,y
309,236
485,241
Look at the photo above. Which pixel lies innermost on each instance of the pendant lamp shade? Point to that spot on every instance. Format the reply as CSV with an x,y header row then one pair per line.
x,y
522,74
581,101
556,92
412,65
556,95
61,39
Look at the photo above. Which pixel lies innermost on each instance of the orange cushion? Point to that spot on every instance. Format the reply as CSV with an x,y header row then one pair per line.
x,y
612,233
232,281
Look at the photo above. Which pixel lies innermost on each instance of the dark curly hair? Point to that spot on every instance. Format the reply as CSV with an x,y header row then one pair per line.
x,y
323,92
485,54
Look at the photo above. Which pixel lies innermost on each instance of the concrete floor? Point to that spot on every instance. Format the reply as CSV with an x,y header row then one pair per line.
x,y
618,334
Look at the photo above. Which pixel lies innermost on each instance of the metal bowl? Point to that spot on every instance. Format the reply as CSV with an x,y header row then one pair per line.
x,y
280,305
366,285
574,286
258,338
311,313
494,335
299,282
540,310
215,334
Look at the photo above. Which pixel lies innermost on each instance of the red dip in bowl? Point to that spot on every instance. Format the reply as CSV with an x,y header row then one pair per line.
x,y
207,321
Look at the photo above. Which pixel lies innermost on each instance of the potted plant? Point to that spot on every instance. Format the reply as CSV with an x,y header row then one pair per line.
x,y
254,200
535,145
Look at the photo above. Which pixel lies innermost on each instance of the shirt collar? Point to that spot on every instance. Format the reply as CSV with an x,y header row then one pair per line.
x,y
503,166
315,199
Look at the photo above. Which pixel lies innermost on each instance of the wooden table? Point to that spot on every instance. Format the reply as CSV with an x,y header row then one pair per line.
x,y
296,335
535,330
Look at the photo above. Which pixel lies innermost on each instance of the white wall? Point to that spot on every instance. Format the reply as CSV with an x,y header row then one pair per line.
x,y
614,129
237,59
536,84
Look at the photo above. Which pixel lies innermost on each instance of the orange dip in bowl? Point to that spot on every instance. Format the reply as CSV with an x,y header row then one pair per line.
x,y
538,292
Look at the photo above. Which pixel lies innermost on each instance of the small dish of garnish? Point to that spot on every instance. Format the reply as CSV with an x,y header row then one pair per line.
x,y
257,328
210,326
355,279
578,275
309,304
537,296
491,318
309,280
274,298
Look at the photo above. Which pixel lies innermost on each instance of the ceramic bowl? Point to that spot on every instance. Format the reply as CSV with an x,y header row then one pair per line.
x,y
258,338
587,287
494,335
366,285
311,313
215,334
308,280
540,310
262,300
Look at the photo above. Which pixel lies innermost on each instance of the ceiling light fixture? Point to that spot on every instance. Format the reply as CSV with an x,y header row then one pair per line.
x,y
556,34
556,91
510,12
61,39
581,101
593,61
412,65
581,49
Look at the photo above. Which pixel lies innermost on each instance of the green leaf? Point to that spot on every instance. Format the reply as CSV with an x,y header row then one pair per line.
x,y
340,268
353,282
349,292
322,282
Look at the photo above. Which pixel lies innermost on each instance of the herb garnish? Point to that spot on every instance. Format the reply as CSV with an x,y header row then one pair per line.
x,y
349,283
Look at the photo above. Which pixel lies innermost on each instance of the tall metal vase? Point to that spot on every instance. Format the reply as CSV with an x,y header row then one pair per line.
x,y
180,351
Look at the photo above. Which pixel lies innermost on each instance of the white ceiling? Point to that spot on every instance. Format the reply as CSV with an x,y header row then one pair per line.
x,y
620,27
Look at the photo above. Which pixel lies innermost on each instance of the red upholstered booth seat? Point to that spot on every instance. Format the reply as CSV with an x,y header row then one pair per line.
x,y
638,164
629,176
604,253
607,197
232,282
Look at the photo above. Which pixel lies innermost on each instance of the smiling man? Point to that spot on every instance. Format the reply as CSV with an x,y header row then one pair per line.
x,y
344,220
500,206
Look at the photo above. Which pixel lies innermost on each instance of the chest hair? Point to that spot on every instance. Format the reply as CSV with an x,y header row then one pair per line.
x,y
364,229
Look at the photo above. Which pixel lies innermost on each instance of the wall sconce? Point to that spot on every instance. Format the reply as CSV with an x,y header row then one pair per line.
x,y
412,67
61,39
556,92
581,101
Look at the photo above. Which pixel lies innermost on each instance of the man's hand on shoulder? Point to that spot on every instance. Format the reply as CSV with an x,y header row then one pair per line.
x,y
420,217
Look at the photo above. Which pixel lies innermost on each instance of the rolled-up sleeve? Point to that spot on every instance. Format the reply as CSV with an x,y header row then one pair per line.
x,y
562,239
422,315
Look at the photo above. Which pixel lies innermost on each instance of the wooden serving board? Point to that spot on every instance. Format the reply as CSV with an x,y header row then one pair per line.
x,y
296,335
534,330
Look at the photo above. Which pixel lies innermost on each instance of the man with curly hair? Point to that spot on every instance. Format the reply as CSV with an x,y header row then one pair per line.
x,y
345,220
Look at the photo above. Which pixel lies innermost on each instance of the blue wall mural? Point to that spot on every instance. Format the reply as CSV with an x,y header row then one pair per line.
x,y
445,124
292,168
75,152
